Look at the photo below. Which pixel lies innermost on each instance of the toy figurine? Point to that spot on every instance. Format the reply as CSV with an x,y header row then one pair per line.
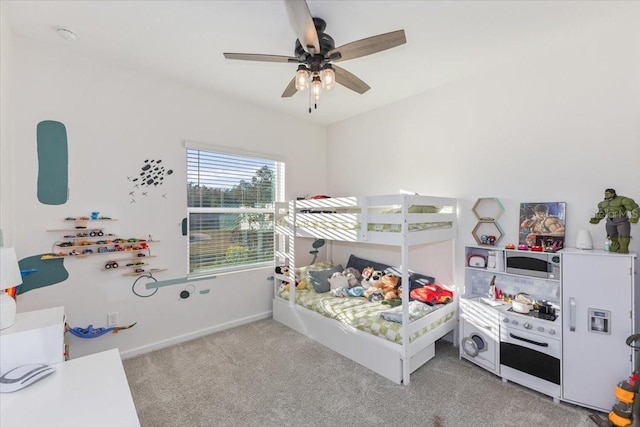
x,y
618,224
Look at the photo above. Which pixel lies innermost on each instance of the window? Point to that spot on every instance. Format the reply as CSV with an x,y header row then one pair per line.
x,y
231,205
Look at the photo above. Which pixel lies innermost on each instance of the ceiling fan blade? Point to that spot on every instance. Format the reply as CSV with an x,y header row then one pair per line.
x,y
290,90
302,24
260,57
367,46
349,80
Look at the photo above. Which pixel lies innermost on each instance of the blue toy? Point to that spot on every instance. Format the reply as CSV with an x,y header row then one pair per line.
x,y
91,332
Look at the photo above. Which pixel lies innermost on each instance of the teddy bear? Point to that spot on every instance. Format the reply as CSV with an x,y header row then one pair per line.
x,y
385,288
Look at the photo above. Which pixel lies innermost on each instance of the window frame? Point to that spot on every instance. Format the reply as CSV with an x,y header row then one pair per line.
x,y
279,191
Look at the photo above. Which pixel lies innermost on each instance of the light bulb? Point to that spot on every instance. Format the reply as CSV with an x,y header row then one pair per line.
x,y
328,77
316,86
302,77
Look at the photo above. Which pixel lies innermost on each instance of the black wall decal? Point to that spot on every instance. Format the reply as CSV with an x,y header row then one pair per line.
x,y
151,175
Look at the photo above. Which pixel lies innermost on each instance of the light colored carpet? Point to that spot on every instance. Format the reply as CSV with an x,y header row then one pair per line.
x,y
265,374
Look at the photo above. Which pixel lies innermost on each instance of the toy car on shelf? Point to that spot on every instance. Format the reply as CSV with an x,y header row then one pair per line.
x,y
111,264
95,233
432,294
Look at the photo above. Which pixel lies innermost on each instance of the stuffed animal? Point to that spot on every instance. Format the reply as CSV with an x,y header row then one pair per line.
x,y
370,277
367,272
384,289
284,270
353,276
348,278
338,280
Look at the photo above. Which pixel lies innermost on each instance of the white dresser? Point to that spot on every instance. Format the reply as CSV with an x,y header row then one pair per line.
x,y
88,391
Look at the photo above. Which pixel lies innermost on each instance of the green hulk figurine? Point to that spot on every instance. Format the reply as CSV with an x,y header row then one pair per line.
x,y
618,226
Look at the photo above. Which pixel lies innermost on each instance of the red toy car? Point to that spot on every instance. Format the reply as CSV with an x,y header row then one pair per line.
x,y
432,294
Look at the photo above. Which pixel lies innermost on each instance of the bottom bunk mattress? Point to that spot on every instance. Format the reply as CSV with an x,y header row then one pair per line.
x,y
366,316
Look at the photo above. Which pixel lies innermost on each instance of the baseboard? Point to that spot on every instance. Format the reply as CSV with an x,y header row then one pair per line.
x,y
192,335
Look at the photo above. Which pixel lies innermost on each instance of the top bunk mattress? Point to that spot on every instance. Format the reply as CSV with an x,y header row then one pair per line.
x,y
393,219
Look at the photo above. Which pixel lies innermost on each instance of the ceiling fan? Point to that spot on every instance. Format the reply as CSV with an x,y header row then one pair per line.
x,y
315,54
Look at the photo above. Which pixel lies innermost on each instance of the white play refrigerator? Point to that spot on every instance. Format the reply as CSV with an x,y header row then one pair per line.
x,y
599,308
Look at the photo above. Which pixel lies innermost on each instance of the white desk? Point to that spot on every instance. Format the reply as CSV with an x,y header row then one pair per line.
x,y
85,392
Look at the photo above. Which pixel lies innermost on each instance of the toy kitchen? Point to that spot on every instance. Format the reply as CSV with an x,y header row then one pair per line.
x,y
516,337
528,319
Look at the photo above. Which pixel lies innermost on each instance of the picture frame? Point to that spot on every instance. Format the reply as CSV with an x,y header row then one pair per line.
x,y
542,225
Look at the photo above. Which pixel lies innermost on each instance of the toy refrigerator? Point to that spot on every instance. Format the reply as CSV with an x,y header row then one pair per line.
x,y
598,314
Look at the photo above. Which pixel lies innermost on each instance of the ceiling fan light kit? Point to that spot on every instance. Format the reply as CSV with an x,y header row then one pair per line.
x,y
315,51
306,78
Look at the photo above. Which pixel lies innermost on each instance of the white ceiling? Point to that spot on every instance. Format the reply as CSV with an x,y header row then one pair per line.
x,y
185,40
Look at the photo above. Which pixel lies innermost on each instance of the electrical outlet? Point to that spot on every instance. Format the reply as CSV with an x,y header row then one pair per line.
x,y
112,319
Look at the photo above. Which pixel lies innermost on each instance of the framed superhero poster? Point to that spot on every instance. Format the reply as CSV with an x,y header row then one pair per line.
x,y
542,224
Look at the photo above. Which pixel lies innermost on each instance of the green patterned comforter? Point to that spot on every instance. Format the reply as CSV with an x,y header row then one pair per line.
x,y
358,313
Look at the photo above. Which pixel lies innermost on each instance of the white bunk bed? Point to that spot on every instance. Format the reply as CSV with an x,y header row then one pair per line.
x,y
399,220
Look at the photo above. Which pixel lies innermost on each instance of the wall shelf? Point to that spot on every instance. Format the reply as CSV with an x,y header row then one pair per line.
x,y
91,241
487,231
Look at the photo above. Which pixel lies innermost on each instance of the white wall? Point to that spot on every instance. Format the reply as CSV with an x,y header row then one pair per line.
x,y
562,127
6,214
115,119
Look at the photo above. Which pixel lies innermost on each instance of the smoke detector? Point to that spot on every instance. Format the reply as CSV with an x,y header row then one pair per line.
x,y
67,34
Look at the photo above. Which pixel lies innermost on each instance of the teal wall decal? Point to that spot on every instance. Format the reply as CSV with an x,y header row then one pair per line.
x,y
53,162
50,272
160,284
